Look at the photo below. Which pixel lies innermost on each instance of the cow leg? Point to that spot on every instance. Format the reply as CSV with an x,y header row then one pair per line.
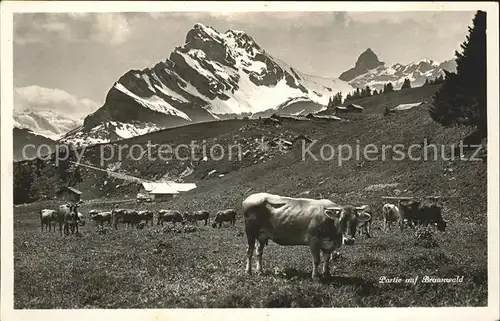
x,y
250,249
315,252
260,251
368,229
327,255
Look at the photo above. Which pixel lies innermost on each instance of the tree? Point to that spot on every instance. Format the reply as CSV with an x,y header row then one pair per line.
x,y
23,183
406,84
462,97
388,88
368,91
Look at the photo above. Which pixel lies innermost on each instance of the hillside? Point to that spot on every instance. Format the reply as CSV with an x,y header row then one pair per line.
x,y
371,126
205,268
26,138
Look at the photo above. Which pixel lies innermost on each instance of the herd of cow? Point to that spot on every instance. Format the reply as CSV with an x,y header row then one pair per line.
x,y
69,218
320,224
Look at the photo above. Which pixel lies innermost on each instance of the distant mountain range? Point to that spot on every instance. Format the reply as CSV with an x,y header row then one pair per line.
x,y
370,71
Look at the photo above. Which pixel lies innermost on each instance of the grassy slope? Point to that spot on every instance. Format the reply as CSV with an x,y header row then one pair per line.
x,y
205,268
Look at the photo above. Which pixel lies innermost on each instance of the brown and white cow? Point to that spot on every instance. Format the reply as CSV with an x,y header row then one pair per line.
x,y
365,227
126,216
320,224
197,216
228,215
67,217
409,211
46,219
431,214
169,216
390,214
100,217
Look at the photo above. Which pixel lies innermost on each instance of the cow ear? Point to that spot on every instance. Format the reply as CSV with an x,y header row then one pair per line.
x,y
363,217
332,212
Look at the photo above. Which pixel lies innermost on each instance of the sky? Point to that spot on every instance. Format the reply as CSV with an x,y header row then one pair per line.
x,y
73,59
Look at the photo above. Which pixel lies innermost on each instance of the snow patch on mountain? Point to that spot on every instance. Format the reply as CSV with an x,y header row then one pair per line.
x,y
109,131
153,102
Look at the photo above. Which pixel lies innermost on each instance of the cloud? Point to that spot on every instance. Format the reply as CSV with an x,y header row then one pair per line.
x,y
108,28
38,98
113,27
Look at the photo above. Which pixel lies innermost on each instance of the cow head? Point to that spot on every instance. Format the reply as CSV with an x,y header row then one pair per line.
x,y
74,208
347,220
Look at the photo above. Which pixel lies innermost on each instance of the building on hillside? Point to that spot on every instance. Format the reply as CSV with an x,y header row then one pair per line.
x,y
69,194
402,107
182,187
272,121
351,108
323,117
164,191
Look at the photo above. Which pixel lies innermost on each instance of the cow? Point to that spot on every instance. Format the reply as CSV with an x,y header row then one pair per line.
x,y
169,216
189,218
320,224
390,214
409,212
431,214
422,213
46,219
198,216
228,215
146,216
129,217
67,217
100,217
365,227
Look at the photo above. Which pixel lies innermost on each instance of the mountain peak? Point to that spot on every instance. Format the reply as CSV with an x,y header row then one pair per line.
x,y
200,31
366,61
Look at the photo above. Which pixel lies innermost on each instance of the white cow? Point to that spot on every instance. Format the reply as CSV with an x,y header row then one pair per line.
x,y
320,224
390,214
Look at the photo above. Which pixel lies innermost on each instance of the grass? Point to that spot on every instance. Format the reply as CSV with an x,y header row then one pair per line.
x,y
205,268
144,269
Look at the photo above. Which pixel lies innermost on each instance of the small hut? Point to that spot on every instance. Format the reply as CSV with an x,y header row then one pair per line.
x,y
69,194
351,108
